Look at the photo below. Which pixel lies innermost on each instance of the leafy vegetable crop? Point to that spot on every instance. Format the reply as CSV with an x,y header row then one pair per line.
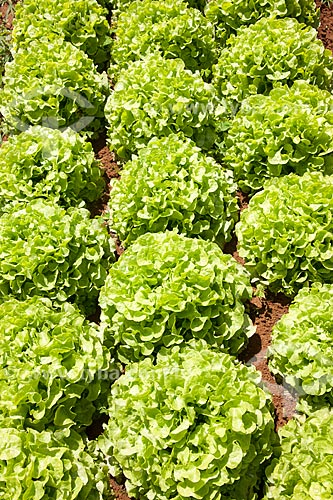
x,y
123,5
53,84
48,465
195,425
49,252
228,17
304,469
268,52
43,162
166,289
81,22
171,184
285,235
53,367
290,130
158,97
302,348
170,27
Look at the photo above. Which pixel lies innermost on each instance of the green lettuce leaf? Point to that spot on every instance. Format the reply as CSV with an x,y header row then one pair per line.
x,y
81,22
49,465
302,349
170,27
122,5
53,366
228,17
54,84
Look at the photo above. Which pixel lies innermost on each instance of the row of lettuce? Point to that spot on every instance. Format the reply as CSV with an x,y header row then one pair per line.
x,y
196,86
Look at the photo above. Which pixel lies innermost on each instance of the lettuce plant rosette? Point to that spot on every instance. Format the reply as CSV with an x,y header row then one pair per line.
x,y
54,369
48,251
172,28
158,97
302,349
81,22
286,233
196,424
53,84
43,162
304,466
172,184
228,17
271,51
290,130
49,465
166,289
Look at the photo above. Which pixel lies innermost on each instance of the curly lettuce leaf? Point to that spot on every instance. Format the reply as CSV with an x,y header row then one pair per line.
x,y
172,28
119,6
56,465
302,349
228,17
54,369
53,84
80,22
304,466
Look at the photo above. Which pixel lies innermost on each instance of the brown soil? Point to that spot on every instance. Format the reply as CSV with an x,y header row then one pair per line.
x,y
325,32
265,312
119,490
6,15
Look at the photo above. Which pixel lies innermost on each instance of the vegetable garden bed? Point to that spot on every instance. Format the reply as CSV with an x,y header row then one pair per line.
x,y
264,310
